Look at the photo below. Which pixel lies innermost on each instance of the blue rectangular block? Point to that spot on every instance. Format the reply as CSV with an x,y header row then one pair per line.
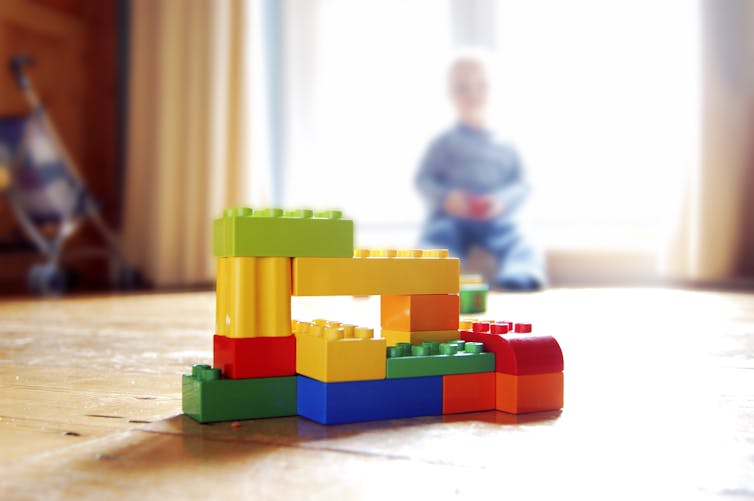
x,y
355,401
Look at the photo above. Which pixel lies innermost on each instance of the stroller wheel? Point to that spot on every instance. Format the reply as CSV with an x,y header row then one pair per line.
x,y
128,278
47,280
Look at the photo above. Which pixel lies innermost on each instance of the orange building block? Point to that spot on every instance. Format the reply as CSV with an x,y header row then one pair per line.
x,y
468,392
418,337
423,312
528,393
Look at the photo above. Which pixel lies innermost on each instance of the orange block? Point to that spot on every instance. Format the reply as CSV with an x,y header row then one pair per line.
x,y
528,393
420,312
468,392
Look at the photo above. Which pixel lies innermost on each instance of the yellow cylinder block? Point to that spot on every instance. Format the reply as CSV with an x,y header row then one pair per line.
x,y
221,297
254,297
273,293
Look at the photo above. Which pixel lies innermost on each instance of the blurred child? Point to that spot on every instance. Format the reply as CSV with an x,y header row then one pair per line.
x,y
475,185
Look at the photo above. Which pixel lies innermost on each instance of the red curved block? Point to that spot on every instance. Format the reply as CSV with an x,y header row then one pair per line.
x,y
520,354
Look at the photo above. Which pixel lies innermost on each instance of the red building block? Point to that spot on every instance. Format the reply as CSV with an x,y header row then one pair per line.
x,y
468,392
517,354
252,357
529,393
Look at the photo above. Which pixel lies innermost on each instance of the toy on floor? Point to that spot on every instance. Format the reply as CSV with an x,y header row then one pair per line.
x,y
473,294
48,196
426,362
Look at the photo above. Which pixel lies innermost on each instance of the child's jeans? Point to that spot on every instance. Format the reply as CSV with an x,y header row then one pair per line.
x,y
519,264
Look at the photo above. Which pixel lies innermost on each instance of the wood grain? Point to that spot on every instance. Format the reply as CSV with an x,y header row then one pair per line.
x,y
659,404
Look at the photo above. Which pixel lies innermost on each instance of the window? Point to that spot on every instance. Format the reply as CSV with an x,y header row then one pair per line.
x,y
365,95
601,99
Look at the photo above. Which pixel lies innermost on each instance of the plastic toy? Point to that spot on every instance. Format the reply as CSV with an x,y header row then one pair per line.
x,y
208,398
331,352
349,402
529,393
434,359
240,358
418,337
468,392
274,232
517,353
529,368
427,312
473,294
368,276
253,296
426,362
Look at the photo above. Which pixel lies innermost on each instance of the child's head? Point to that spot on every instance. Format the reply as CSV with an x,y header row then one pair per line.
x,y
468,79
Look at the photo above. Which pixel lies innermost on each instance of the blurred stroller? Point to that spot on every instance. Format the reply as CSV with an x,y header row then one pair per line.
x,y
46,192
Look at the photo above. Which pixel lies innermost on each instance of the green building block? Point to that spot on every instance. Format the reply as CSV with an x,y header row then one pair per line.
x,y
274,232
474,298
208,398
434,359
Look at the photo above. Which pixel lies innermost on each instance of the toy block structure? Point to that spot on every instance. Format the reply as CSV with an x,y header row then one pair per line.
x,y
425,362
428,312
468,392
374,274
274,232
207,397
240,358
528,367
528,393
473,294
418,337
253,297
434,359
331,352
417,318
354,401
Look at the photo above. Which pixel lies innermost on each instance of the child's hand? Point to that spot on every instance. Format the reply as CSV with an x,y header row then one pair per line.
x,y
485,207
456,204
494,208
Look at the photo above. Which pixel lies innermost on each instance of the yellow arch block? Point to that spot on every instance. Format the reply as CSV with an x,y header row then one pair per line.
x,y
373,276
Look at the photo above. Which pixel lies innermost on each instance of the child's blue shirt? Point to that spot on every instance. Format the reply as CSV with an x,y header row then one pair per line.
x,y
472,160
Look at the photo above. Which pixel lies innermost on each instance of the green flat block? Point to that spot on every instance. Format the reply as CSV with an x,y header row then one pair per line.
x,y
274,232
436,359
473,298
207,398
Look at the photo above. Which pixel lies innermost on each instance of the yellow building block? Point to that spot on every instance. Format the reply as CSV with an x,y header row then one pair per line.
x,y
253,296
432,273
332,352
221,296
274,296
394,337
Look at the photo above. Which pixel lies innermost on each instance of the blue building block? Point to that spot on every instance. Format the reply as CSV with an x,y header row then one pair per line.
x,y
355,401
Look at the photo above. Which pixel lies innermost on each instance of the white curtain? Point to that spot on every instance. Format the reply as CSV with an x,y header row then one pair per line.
x,y
364,91
191,95
715,241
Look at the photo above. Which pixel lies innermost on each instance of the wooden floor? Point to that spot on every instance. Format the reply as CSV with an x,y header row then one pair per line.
x,y
659,403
